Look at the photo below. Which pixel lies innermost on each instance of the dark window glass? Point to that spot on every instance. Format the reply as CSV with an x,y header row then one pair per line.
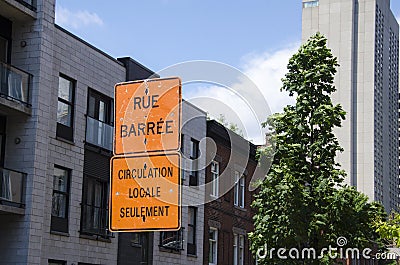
x,y
57,262
94,207
65,107
2,139
3,49
194,155
100,107
60,201
172,239
99,129
191,246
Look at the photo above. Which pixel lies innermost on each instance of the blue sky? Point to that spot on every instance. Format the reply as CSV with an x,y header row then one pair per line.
x,y
257,37
159,33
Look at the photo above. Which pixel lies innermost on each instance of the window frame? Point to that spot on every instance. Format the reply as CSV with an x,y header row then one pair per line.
x,y
214,179
99,130
87,227
239,190
213,243
64,131
6,42
192,247
194,155
238,249
241,250
183,175
108,109
57,223
170,234
235,249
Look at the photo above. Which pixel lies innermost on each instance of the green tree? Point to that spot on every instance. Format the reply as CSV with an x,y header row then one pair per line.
x,y
230,125
303,203
390,229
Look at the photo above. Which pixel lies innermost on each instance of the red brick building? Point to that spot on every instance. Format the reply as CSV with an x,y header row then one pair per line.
x,y
228,215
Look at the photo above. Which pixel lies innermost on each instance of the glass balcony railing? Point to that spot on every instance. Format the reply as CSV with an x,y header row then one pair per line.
x,y
99,133
14,83
12,187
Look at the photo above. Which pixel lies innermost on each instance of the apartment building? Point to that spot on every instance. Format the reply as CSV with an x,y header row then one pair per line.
x,y
364,35
185,246
228,214
56,126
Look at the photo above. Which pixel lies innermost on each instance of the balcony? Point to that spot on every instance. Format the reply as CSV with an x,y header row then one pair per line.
x,y
12,184
14,88
99,133
18,10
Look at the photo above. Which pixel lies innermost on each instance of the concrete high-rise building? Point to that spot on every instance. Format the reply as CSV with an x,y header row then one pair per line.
x,y
364,35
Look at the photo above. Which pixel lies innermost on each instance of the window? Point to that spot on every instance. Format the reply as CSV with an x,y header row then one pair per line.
x,y
213,244
100,107
57,262
183,177
194,154
191,240
238,249
239,190
3,122
65,108
311,4
235,249
183,141
214,178
3,49
94,207
60,201
99,130
136,240
172,240
241,249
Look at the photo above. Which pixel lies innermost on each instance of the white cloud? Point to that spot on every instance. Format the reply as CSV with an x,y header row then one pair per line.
x,y
244,101
67,18
266,70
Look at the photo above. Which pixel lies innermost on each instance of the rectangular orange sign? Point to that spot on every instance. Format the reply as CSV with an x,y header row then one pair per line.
x,y
145,193
147,116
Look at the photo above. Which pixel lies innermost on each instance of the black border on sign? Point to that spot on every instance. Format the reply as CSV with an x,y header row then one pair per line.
x,y
179,195
179,118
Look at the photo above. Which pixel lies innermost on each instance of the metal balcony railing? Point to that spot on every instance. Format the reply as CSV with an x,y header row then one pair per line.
x,y
99,133
14,83
12,187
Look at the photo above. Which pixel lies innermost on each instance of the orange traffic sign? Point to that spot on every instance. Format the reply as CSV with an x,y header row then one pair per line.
x,y
145,193
147,116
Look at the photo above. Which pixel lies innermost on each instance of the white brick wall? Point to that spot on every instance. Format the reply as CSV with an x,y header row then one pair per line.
x,y
49,51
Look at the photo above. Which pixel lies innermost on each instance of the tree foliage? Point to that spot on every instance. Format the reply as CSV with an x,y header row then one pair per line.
x,y
390,229
230,125
302,202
